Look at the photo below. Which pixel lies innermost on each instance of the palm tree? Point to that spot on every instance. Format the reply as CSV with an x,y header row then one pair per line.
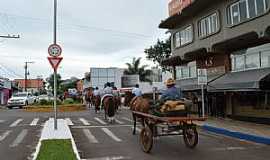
x,y
135,68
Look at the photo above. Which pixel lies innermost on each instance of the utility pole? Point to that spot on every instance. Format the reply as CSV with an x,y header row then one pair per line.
x,y
26,74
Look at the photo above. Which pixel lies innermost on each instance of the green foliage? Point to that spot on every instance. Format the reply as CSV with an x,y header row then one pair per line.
x,y
69,101
44,102
56,150
50,80
159,52
135,68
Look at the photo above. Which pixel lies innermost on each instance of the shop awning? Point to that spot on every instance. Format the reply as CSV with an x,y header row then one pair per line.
x,y
252,80
192,83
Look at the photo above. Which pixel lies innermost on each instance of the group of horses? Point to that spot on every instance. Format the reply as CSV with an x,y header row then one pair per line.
x,y
110,104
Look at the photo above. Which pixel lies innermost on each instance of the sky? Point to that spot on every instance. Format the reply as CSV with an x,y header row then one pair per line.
x,y
92,33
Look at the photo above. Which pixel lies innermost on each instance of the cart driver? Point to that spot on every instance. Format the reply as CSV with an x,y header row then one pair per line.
x,y
171,93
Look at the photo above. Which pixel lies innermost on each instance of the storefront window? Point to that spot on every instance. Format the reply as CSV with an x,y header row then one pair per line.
x,y
252,58
178,73
188,71
185,72
177,39
265,58
239,63
252,61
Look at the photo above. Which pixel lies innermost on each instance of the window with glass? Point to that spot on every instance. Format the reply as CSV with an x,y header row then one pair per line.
x,y
252,58
177,39
208,25
183,37
265,58
188,71
245,9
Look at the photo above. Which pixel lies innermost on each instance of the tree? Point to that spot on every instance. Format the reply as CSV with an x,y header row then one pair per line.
x,y
159,52
135,68
50,80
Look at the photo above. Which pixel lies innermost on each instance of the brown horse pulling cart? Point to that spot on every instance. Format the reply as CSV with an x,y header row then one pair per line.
x,y
155,126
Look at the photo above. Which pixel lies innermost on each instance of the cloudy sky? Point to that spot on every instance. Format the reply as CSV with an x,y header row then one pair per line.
x,y
92,33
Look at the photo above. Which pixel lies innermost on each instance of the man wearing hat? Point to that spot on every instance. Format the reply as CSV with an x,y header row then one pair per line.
x,y
171,93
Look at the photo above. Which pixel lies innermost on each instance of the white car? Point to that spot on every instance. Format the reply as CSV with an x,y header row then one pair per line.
x,y
45,97
20,100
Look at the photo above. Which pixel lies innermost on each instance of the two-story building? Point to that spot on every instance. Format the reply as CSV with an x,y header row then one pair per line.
x,y
231,39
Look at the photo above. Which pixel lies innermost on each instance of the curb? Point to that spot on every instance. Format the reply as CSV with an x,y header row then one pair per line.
x,y
48,133
239,135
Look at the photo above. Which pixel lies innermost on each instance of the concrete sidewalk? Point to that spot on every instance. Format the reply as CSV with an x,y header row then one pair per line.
x,y
258,133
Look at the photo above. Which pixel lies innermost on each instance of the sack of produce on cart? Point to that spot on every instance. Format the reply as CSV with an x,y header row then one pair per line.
x,y
171,108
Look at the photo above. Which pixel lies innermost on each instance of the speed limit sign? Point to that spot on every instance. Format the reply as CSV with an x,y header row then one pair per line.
x,y
54,50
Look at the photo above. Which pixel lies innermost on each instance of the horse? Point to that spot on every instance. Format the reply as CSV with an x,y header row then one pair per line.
x,y
97,102
117,102
109,107
138,104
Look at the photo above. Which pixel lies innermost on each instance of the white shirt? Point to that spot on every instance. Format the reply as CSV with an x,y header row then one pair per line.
x,y
107,90
137,92
96,92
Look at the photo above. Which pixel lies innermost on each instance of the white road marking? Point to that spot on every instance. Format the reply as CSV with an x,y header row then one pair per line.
x,y
109,158
110,134
119,122
127,119
19,138
2,121
228,148
14,124
100,121
5,134
69,122
235,148
85,122
90,136
34,122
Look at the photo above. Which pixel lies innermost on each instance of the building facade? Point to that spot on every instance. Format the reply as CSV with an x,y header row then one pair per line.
x,y
231,39
32,85
100,76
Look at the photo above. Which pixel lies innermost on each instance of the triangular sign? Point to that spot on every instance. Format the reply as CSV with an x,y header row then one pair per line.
x,y
55,61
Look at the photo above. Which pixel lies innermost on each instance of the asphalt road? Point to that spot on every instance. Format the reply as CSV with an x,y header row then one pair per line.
x,y
98,140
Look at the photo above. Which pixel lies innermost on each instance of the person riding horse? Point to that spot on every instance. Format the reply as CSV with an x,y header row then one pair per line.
x,y
107,101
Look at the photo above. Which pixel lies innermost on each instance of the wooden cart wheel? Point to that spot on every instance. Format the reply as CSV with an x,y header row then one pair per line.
x,y
190,136
146,139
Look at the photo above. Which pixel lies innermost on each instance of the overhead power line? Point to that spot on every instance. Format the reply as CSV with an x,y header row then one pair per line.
x,y
79,26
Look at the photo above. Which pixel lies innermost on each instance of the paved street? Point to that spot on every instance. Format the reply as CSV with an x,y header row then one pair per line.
x,y
96,139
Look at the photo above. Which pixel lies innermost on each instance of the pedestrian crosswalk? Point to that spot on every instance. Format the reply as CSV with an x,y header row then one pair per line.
x,y
73,121
15,131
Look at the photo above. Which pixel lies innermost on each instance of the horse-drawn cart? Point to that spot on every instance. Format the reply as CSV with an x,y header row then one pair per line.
x,y
156,126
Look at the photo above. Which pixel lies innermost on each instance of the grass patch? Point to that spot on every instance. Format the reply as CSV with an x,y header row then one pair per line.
x,y
56,150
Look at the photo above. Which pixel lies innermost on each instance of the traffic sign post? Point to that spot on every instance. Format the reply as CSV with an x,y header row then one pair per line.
x,y
202,80
55,50
55,61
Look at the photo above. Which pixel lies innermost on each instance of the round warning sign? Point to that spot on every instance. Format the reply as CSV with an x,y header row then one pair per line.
x,y
54,50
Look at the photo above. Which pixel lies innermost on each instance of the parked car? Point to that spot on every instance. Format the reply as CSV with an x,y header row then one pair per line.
x,y
45,97
20,100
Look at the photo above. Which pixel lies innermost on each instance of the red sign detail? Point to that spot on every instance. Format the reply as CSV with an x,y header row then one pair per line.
x,y
55,61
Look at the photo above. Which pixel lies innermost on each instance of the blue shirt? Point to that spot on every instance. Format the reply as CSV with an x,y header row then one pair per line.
x,y
137,92
171,93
